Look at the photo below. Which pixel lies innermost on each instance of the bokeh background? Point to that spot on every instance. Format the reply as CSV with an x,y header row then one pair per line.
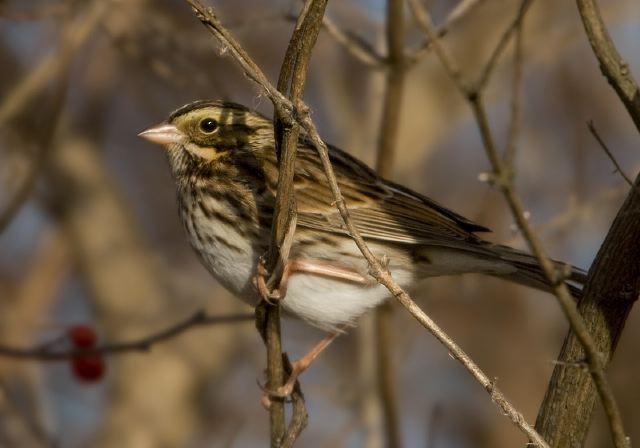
x,y
98,240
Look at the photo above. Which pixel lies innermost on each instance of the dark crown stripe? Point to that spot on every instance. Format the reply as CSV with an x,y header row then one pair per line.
x,y
206,103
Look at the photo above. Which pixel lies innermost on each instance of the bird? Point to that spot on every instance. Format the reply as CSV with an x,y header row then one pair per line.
x,y
223,160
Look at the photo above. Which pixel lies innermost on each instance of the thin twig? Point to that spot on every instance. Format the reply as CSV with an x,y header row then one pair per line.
x,y
605,148
144,344
299,417
492,62
389,124
381,274
355,45
516,99
502,177
461,10
362,51
424,21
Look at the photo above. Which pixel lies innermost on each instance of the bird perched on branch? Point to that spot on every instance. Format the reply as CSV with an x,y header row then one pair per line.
x,y
224,163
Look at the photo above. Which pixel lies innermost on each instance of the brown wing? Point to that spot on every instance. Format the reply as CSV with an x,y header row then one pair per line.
x,y
380,209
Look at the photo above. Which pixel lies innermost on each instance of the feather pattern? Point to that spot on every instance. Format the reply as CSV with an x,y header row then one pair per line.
x,y
227,174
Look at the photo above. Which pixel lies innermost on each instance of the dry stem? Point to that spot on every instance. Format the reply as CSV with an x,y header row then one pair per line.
x,y
144,344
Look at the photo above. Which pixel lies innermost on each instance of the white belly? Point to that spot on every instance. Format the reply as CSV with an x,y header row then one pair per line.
x,y
328,304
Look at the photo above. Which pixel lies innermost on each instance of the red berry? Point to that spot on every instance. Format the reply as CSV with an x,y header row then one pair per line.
x,y
88,368
83,336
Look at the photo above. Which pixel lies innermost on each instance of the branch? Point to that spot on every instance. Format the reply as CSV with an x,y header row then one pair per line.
x,y
613,284
605,148
612,65
291,80
198,319
516,99
515,25
390,120
354,45
462,9
361,50
301,114
502,177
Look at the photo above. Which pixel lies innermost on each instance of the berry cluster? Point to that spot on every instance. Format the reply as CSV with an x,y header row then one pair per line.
x,y
87,368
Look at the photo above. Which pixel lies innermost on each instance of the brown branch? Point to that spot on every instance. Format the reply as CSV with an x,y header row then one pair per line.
x,y
492,62
609,294
614,278
463,8
144,344
389,124
605,148
516,99
299,417
361,50
301,114
502,177
612,65
354,45
291,81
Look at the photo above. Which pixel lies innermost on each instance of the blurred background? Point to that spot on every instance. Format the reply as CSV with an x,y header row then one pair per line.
x,y
97,239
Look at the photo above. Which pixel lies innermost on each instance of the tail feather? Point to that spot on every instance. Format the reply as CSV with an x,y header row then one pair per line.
x,y
529,273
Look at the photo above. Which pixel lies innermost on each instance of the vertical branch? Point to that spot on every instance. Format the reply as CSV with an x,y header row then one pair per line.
x,y
384,165
614,278
516,99
292,81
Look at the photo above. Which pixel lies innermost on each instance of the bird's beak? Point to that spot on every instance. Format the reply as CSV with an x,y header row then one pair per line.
x,y
162,134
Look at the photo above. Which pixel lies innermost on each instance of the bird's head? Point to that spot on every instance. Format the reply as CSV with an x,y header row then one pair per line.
x,y
210,133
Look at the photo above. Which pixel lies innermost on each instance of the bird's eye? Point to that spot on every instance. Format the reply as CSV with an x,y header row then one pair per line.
x,y
208,125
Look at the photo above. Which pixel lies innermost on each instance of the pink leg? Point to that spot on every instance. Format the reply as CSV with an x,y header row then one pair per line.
x,y
303,364
309,267
303,266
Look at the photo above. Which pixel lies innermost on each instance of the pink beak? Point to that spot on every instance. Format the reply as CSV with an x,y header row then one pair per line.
x,y
162,134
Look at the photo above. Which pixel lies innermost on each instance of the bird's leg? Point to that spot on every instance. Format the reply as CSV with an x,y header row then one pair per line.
x,y
260,282
300,365
325,270
302,265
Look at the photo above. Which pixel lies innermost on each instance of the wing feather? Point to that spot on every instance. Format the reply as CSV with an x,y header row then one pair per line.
x,y
380,209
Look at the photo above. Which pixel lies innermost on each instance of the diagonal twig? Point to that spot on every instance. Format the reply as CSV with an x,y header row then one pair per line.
x,y
607,151
144,344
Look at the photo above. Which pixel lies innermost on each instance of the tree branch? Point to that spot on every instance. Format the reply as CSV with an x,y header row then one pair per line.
x,y
389,124
607,151
614,278
612,65
291,81
144,344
